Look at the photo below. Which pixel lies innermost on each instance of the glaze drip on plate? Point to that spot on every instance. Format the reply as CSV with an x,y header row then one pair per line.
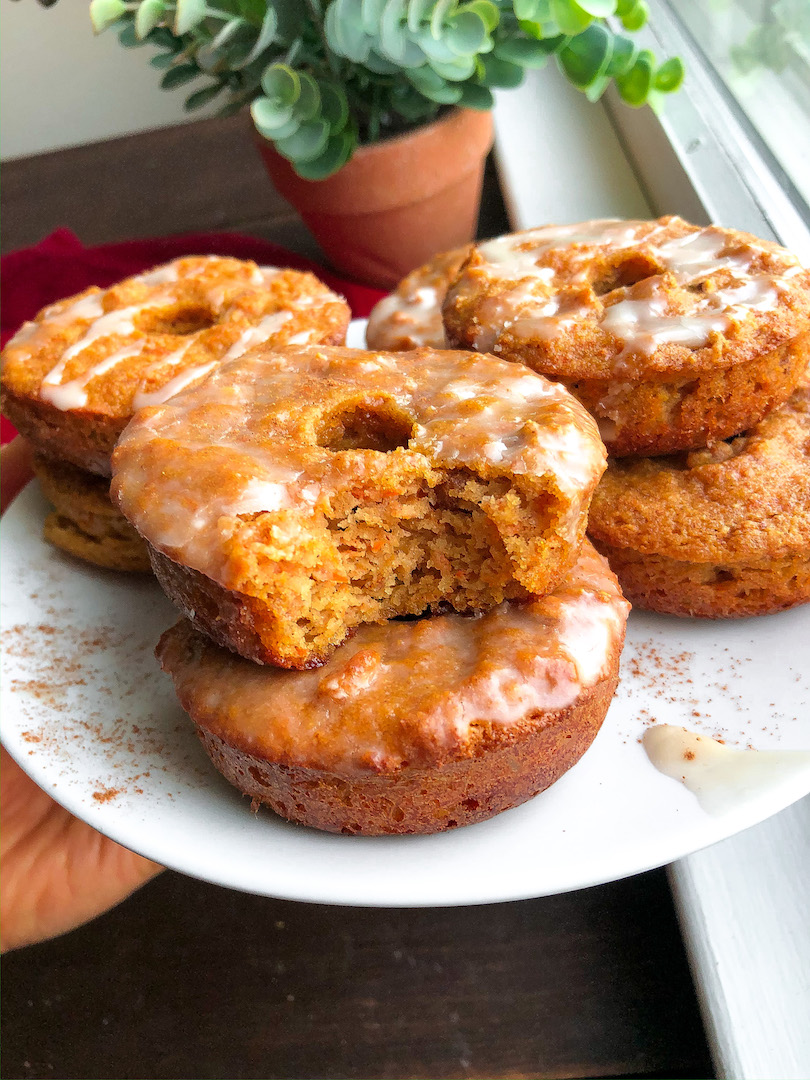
x,y
720,777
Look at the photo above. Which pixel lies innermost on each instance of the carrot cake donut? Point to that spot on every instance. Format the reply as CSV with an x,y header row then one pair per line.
x,y
293,496
73,377
84,522
672,336
412,315
414,726
719,532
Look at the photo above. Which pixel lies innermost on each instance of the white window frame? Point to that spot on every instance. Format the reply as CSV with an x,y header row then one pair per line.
x,y
744,905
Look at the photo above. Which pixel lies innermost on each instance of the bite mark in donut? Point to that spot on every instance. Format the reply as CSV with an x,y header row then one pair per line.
x,y
291,497
414,727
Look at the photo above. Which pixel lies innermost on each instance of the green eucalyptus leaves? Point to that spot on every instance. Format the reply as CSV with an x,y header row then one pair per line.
x,y
322,76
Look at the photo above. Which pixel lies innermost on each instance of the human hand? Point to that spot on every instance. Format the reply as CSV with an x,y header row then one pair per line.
x,y
57,872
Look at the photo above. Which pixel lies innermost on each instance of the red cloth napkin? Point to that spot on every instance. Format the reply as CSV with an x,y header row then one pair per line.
x,y
60,266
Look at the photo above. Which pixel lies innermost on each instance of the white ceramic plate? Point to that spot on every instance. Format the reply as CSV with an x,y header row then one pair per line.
x,y
89,715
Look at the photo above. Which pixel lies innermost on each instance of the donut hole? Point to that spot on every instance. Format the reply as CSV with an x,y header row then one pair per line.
x,y
180,320
622,272
365,427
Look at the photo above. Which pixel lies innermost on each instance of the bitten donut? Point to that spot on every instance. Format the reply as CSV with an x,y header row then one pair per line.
x,y
72,378
719,532
292,496
412,315
414,726
672,336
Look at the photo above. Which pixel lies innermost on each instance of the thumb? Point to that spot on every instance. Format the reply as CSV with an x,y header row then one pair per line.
x,y
15,469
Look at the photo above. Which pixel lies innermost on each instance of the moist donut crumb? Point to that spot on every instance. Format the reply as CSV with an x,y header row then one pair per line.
x,y
295,495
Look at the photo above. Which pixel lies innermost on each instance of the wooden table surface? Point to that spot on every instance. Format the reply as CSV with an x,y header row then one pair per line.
x,y
190,980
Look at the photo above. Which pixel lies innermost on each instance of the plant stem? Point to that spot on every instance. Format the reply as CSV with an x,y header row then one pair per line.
x,y
374,116
317,19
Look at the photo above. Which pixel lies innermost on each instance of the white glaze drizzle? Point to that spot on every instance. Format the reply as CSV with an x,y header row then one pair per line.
x,y
196,526
468,411
516,255
417,315
144,398
487,417
267,495
161,275
25,333
643,325
265,274
411,317
118,322
542,303
73,394
257,335
522,672
86,307
720,777
179,382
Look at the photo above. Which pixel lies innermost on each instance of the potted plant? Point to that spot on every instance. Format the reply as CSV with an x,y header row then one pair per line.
x,y
372,115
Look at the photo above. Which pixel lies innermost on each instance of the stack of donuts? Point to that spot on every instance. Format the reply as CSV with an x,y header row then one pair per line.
x,y
690,347
392,620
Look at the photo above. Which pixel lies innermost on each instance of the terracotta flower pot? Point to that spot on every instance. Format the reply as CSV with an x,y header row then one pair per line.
x,y
397,202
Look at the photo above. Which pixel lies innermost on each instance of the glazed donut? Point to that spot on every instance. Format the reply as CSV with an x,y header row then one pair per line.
x,y
293,496
720,532
84,522
414,726
73,377
411,316
672,336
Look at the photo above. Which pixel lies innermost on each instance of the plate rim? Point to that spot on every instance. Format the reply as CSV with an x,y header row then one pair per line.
x,y
129,831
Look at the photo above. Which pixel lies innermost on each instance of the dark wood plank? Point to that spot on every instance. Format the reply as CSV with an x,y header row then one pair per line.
x,y
194,177
189,980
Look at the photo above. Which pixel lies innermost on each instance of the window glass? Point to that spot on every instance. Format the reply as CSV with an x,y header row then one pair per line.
x,y
760,49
